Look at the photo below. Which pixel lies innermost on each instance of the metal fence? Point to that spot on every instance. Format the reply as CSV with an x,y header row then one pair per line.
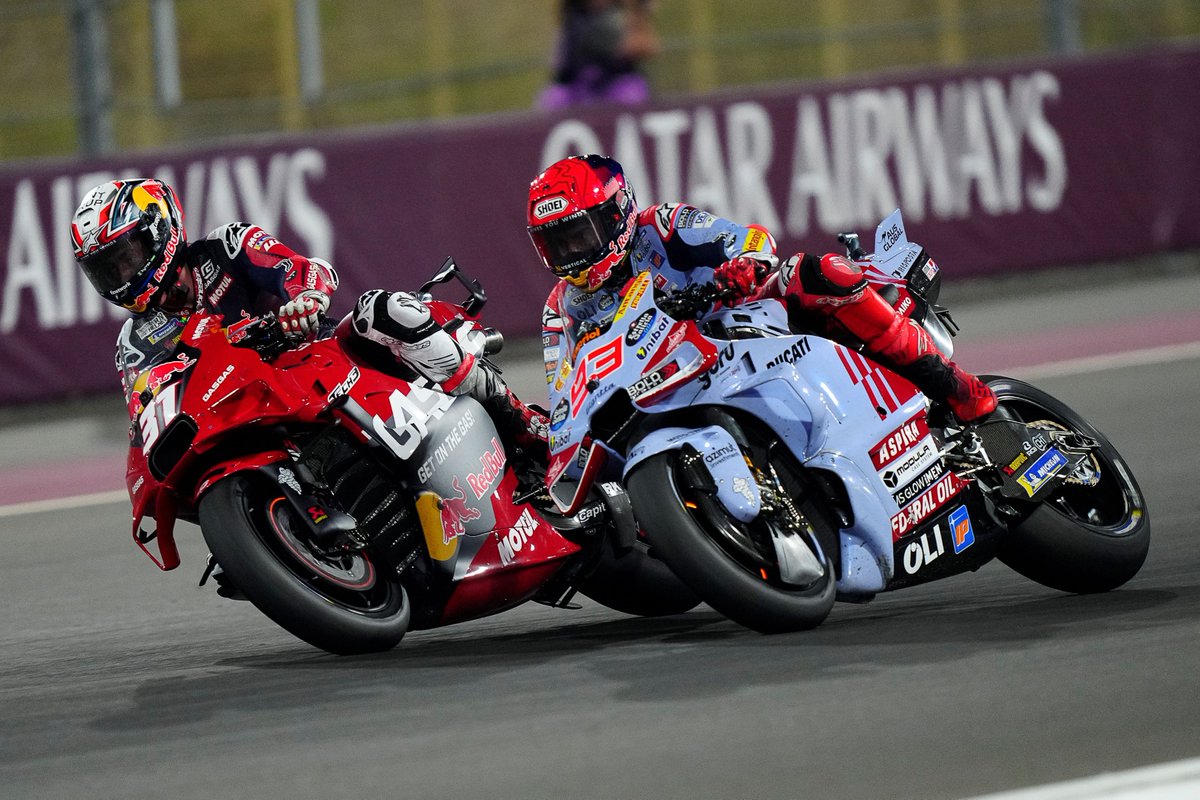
x,y
97,76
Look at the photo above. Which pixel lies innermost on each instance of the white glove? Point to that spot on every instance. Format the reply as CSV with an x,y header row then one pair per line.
x,y
299,316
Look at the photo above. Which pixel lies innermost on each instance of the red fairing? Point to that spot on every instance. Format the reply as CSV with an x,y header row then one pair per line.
x,y
521,554
231,397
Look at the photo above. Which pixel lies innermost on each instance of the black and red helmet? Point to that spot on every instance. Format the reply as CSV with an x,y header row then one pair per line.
x,y
129,239
582,217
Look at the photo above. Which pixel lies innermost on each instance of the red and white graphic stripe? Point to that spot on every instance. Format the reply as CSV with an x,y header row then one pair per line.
x,y
884,396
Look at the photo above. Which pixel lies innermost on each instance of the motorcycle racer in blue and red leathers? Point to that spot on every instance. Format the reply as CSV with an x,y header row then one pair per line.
x,y
586,227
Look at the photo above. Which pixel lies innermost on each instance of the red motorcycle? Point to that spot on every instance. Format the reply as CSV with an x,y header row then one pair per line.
x,y
351,503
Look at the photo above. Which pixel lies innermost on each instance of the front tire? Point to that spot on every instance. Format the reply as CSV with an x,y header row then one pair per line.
x,y
635,583
1082,539
680,537
344,607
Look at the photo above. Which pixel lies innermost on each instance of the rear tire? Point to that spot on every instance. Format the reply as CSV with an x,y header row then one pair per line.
x,y
344,608
728,586
1081,539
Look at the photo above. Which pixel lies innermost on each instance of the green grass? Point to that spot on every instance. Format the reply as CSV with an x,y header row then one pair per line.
x,y
388,60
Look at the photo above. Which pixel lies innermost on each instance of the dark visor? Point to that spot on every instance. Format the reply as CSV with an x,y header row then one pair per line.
x,y
578,242
121,268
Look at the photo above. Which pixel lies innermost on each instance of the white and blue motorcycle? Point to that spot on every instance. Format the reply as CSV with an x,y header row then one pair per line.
x,y
776,471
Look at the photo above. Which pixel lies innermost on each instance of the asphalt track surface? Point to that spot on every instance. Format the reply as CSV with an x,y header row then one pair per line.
x,y
117,680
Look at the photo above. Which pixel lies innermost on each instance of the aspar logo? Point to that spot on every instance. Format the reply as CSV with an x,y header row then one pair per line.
x,y
899,441
217,383
549,207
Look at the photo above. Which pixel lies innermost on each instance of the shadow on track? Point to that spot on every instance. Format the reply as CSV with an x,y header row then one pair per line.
x,y
693,655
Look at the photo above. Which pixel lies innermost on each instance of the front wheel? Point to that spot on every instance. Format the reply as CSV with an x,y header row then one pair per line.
x,y
1093,534
339,604
742,582
635,583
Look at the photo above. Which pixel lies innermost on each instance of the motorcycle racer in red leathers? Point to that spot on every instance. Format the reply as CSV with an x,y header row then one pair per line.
x,y
587,229
131,243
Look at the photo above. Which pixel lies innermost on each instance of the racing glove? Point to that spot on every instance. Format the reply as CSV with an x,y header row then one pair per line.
x,y
739,277
300,316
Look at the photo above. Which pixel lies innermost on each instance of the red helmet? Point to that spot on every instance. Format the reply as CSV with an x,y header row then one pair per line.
x,y
129,239
582,217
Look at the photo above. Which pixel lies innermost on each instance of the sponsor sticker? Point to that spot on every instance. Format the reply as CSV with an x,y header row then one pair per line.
x,y
559,416
639,327
791,355
926,503
960,529
756,240
634,295
909,492
899,441
910,464
549,207
1042,470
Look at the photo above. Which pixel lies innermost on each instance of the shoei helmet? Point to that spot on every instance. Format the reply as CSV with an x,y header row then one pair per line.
x,y
582,218
129,237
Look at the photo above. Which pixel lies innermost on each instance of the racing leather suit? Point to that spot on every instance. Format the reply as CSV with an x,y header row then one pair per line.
x,y
681,245
240,272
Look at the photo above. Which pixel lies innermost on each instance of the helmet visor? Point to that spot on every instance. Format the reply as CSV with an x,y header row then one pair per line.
x,y
573,244
121,270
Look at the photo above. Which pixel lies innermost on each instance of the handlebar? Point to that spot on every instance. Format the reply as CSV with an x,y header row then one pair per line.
x,y
690,301
264,336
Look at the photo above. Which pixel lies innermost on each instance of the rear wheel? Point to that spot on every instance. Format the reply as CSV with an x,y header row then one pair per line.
x,y
1093,534
340,603
731,566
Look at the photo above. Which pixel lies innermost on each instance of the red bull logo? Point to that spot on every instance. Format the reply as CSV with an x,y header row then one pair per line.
x,y
454,513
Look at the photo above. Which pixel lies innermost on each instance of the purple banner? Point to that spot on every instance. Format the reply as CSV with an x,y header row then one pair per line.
x,y
1009,168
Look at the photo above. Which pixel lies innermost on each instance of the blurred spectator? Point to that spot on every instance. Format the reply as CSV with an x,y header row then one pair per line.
x,y
600,50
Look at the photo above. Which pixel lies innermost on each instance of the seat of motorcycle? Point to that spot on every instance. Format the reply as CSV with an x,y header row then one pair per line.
x,y
371,354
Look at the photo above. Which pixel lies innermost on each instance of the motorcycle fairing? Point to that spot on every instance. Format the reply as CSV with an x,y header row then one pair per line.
x,y
827,403
736,488
961,536
450,457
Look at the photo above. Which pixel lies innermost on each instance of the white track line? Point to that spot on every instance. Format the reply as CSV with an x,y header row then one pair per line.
x,y
60,503
1130,358
1176,780
1054,369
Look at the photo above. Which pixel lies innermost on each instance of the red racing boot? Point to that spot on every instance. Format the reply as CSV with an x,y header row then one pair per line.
x,y
903,346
